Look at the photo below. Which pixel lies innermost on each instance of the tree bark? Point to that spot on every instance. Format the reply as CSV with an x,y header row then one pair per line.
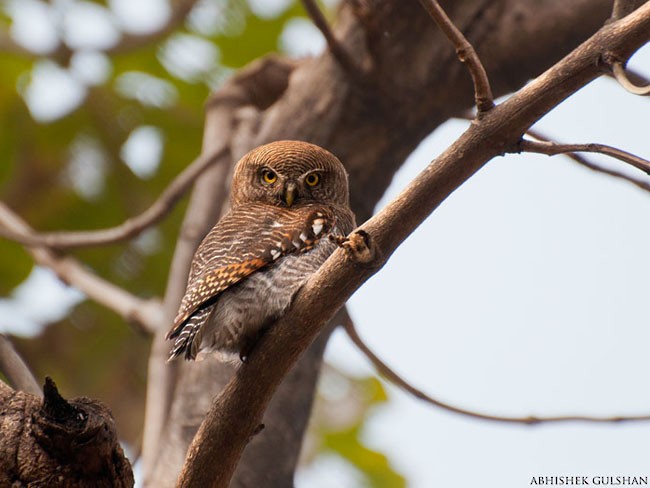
x,y
414,83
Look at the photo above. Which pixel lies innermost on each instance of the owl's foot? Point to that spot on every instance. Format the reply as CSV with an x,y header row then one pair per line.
x,y
248,344
358,245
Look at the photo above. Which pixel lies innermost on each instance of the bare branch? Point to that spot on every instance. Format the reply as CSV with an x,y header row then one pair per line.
x,y
335,47
581,160
397,380
621,76
554,148
144,315
15,369
467,55
131,227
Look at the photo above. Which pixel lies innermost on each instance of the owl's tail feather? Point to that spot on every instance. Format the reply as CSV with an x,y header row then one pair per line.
x,y
186,334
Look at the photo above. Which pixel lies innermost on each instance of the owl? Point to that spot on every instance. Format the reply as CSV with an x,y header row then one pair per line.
x,y
287,199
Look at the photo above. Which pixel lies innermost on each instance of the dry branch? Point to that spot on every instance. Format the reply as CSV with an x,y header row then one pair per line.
x,y
398,381
143,315
553,148
237,412
466,54
128,229
582,161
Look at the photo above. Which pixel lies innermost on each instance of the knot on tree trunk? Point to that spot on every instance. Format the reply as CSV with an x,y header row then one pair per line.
x,y
53,442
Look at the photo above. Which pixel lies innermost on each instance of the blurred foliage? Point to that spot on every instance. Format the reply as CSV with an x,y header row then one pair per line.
x,y
343,406
67,170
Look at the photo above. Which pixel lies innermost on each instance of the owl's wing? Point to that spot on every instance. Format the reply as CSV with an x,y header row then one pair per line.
x,y
244,241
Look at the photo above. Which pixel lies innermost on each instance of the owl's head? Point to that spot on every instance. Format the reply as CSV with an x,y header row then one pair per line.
x,y
287,173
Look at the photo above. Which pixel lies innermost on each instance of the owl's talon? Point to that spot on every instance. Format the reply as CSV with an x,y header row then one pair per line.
x,y
358,245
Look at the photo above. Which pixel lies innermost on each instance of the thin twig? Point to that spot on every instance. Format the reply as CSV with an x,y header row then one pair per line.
x,y
467,55
398,381
553,148
581,160
621,76
144,315
15,369
335,47
130,228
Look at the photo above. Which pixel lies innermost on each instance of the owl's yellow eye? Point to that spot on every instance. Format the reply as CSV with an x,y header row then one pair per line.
x,y
312,179
269,177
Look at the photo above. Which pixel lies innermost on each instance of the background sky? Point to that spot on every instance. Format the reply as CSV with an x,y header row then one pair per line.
x,y
525,293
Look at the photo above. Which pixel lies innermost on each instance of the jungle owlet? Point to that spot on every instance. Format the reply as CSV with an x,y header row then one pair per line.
x,y
286,198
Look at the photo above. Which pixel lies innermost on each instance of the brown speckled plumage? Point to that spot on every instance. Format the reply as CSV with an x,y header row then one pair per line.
x,y
250,265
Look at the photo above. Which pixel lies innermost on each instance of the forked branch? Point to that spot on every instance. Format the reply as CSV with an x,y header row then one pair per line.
x,y
143,315
132,227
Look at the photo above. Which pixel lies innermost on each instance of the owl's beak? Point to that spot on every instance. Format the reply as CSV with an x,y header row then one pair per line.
x,y
289,194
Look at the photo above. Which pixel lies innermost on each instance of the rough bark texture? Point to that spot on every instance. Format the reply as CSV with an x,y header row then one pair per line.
x,y
50,442
415,83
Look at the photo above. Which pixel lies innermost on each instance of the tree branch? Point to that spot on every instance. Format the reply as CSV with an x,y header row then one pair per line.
x,y
553,148
237,412
578,158
398,381
15,369
131,227
144,315
466,54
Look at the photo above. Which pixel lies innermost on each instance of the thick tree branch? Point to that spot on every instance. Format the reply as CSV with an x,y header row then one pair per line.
x,y
237,412
15,369
553,148
398,381
131,227
466,54
143,315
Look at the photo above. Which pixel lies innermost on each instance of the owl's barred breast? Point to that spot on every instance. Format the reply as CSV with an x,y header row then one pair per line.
x,y
242,312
